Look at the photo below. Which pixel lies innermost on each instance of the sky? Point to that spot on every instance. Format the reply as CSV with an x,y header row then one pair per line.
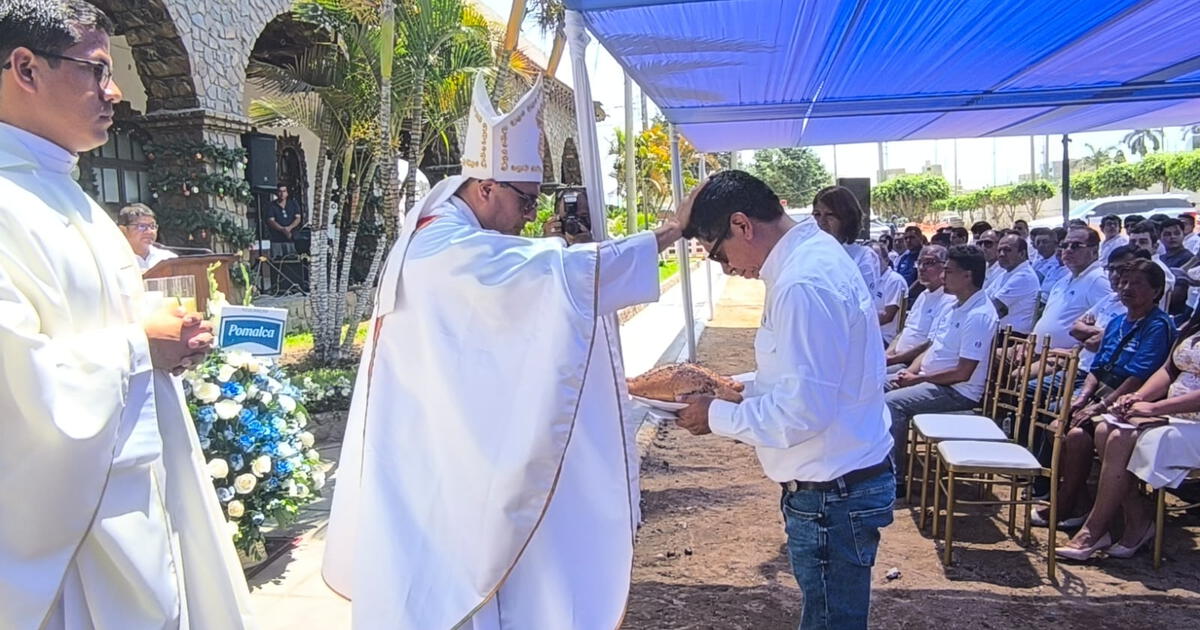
x,y
980,161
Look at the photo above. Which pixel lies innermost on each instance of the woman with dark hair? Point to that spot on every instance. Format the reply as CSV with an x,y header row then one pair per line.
x,y
1135,345
838,214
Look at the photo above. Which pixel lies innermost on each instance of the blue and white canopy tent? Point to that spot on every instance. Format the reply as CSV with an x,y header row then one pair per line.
x,y
748,74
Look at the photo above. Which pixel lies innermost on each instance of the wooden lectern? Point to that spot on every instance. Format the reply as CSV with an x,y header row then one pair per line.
x,y
197,267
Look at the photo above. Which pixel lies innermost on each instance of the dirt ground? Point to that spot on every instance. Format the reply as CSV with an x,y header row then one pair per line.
x,y
710,553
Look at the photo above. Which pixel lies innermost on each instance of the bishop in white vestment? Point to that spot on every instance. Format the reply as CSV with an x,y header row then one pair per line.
x,y
109,520
489,475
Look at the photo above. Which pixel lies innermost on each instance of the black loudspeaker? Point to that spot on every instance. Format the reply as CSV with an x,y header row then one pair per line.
x,y
861,187
261,161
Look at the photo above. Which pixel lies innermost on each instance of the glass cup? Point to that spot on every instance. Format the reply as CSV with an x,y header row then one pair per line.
x,y
172,292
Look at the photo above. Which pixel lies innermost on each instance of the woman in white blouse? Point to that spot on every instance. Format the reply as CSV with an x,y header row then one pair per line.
x,y
838,214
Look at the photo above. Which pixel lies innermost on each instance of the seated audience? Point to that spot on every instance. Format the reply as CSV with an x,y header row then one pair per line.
x,y
1159,450
1174,255
1110,226
924,312
941,238
1084,286
889,293
1135,345
987,243
1047,263
1131,221
950,375
1021,227
959,236
1191,240
1089,328
889,245
913,242
978,228
1144,236
140,227
1014,292
838,214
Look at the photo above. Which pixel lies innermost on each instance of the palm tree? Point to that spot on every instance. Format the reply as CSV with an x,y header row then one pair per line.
x,y
1098,158
1143,141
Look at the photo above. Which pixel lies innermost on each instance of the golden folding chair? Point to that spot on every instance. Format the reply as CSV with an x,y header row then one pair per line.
x,y
1008,375
992,463
1160,516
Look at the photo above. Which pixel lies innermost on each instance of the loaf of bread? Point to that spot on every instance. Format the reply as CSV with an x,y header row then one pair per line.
x,y
669,382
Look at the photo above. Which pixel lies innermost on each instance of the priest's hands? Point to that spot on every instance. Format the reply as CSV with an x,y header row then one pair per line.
x,y
672,230
694,417
178,340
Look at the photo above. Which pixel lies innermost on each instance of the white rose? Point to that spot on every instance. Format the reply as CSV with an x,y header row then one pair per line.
x,y
237,358
228,409
235,509
261,466
265,397
231,529
307,439
289,486
285,450
253,366
313,455
274,385
318,477
225,372
218,468
207,392
301,490
287,403
244,483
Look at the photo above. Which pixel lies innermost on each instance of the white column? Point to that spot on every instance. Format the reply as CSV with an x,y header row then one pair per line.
x,y
585,117
708,272
630,161
685,271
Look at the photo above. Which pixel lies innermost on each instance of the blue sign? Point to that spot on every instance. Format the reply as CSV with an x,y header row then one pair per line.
x,y
258,331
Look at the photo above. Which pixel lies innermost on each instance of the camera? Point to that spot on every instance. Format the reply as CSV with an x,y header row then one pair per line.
x,y
571,212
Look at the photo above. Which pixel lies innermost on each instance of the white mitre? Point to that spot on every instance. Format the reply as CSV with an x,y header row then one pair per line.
x,y
504,147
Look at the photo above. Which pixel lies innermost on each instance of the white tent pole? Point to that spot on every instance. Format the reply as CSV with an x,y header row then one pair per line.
x,y
630,162
712,308
585,117
685,271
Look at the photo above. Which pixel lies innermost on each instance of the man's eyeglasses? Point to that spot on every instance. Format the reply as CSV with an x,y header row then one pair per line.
x,y
986,243
926,264
144,227
715,254
1072,245
101,70
528,202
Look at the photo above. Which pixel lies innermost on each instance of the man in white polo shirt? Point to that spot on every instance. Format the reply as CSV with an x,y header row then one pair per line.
x,y
1084,286
890,290
925,311
950,375
987,243
1015,292
1145,236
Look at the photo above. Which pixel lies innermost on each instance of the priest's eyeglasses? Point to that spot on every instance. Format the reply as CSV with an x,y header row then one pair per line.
x,y
528,202
101,70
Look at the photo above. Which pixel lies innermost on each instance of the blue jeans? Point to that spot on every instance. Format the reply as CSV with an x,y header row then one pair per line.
x,y
832,537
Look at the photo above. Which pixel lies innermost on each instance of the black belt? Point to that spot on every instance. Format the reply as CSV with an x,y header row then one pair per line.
x,y
847,479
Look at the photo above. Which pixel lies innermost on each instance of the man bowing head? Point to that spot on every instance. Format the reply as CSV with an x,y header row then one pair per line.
x,y
488,475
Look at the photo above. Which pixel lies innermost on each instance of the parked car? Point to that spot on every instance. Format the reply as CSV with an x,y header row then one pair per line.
x,y
1170,204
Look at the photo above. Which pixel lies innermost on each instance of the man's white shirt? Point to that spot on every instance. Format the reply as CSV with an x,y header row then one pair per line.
x,y
1069,298
1192,242
1165,302
926,310
966,331
1109,244
153,257
816,409
1018,291
890,291
993,273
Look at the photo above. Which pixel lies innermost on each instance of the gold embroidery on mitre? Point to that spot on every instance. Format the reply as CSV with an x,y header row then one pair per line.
x,y
504,147
483,146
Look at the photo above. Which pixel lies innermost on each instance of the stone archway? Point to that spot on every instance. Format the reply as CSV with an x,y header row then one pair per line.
x,y
162,59
547,161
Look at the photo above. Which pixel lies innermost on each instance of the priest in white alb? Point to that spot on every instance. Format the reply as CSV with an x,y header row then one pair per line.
x,y
489,475
107,518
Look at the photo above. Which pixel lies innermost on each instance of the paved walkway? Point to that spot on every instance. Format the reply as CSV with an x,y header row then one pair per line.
x,y
289,593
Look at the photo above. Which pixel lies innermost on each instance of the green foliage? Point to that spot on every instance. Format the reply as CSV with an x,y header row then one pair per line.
x,y
181,175
1184,171
1083,185
1116,179
667,268
1143,141
1032,194
795,174
326,389
1153,170
188,225
910,197
545,209
618,223
652,159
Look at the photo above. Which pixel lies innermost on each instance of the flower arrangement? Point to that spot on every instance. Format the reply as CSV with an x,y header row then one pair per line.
x,y
250,420
326,389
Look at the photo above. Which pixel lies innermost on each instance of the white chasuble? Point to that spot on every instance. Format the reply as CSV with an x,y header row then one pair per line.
x,y
489,474
89,536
